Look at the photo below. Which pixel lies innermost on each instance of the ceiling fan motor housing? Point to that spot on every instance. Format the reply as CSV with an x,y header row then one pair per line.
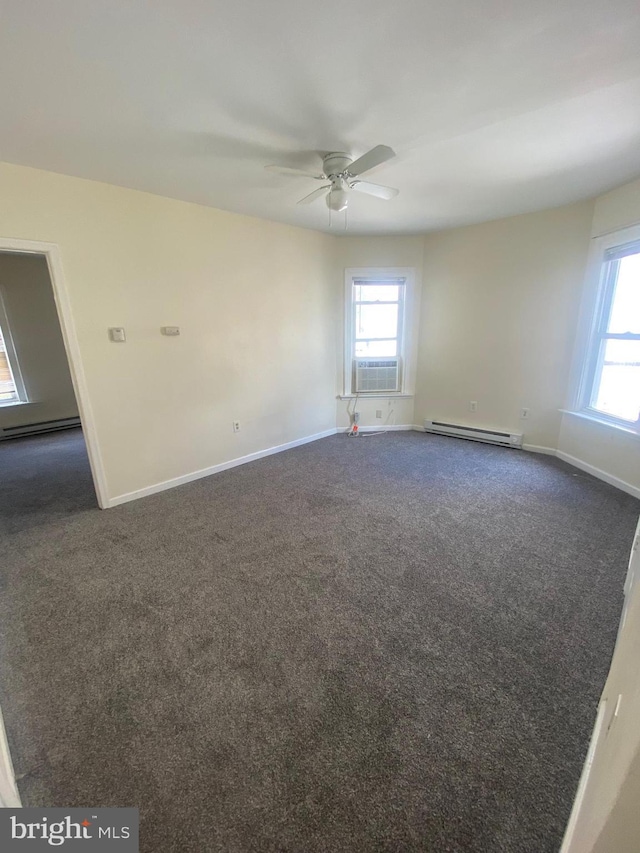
x,y
335,164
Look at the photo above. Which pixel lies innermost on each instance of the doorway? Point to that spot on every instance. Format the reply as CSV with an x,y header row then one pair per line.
x,y
43,395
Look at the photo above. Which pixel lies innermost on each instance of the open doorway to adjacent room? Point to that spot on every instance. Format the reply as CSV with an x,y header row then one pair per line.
x,y
43,453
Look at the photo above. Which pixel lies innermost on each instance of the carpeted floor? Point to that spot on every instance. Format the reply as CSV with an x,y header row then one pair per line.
x,y
384,644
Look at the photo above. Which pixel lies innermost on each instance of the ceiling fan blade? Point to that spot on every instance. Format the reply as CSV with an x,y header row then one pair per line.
x,y
285,170
374,189
377,155
314,195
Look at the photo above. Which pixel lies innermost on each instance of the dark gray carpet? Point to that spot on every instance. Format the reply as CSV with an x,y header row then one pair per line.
x,y
384,644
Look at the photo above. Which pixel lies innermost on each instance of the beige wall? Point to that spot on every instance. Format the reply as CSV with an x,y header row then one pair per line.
x,y
617,209
499,310
613,454
608,820
374,252
603,448
260,308
255,302
31,311
622,828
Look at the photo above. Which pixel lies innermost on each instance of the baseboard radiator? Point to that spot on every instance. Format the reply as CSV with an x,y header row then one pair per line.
x,y
488,436
39,428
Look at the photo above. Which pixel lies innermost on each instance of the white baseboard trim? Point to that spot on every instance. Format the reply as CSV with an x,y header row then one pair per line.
x,y
251,457
215,469
538,448
599,473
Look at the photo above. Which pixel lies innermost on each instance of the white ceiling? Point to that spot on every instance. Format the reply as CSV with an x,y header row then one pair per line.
x,y
494,107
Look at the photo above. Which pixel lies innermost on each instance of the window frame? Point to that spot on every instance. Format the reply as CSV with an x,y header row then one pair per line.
x,y
12,358
407,318
601,279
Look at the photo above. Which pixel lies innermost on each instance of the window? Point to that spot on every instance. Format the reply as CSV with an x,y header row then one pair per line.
x,y
611,384
11,385
377,315
378,337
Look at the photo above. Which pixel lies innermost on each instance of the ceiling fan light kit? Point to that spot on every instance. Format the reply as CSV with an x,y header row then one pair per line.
x,y
338,196
342,172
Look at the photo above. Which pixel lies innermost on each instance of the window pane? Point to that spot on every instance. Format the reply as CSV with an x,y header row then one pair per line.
x,y
377,292
7,385
625,307
376,321
376,348
617,385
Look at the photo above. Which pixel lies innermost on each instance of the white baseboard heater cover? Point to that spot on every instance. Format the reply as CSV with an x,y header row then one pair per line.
x,y
488,436
377,374
39,428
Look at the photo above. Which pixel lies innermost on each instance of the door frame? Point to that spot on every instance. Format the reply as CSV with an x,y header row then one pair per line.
x,y
51,252
9,794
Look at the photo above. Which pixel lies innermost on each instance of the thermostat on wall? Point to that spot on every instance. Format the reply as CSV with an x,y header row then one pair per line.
x,y
170,330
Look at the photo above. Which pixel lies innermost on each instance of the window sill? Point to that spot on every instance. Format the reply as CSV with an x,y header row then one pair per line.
x,y
369,395
9,404
594,419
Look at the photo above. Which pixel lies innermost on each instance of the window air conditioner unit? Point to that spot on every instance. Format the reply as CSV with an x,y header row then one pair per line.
x,y
377,374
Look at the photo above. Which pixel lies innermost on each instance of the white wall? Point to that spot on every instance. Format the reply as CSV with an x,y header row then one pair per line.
x,y
374,252
255,302
602,448
31,312
498,320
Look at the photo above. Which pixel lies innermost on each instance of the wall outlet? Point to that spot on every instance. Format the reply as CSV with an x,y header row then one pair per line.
x,y
378,413
524,414
473,405
236,426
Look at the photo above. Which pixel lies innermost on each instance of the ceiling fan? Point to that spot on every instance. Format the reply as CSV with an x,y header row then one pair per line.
x,y
343,176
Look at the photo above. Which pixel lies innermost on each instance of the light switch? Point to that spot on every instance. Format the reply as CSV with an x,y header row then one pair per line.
x,y
171,331
117,335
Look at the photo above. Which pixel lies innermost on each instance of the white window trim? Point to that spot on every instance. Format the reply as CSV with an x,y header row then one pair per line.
x,y
408,337
12,358
582,370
